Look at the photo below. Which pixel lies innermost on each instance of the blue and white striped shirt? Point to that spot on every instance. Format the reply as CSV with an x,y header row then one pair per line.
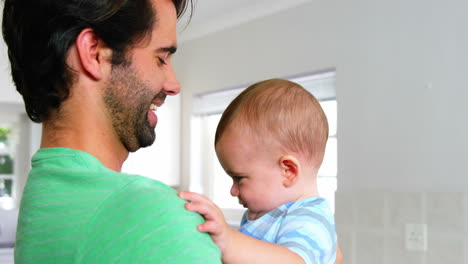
x,y
306,227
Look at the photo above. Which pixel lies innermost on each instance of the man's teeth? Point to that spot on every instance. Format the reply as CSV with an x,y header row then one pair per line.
x,y
154,107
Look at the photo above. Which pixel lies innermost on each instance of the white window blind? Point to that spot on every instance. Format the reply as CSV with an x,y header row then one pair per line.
x,y
321,85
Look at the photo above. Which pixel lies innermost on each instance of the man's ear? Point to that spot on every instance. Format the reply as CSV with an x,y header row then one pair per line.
x,y
92,52
290,169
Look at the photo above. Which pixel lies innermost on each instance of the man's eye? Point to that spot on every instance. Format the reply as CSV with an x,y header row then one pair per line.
x,y
162,61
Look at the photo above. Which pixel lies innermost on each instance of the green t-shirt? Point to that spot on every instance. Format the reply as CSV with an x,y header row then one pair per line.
x,y
74,210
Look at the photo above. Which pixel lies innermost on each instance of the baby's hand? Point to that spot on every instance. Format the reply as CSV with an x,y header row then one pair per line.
x,y
215,224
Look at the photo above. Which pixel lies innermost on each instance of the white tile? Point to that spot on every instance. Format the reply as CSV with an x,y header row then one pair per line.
x,y
369,247
445,249
465,235
465,251
395,251
346,243
344,209
404,208
370,210
465,220
445,212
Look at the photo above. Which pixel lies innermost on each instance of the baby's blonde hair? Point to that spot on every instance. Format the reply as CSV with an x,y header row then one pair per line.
x,y
282,110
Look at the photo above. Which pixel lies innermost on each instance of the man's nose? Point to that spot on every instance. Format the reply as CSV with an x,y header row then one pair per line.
x,y
171,85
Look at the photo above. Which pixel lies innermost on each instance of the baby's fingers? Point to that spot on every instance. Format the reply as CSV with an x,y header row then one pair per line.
x,y
192,197
200,204
210,227
202,208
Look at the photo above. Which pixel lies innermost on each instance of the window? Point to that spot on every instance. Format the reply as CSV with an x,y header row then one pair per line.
x,y
10,131
207,175
161,160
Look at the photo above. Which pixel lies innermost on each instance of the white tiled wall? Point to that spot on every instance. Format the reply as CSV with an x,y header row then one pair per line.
x,y
371,226
6,256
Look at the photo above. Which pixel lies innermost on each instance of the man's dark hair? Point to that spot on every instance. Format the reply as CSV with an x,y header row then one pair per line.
x,y
39,33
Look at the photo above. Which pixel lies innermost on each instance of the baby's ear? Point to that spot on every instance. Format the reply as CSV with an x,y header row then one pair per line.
x,y
290,169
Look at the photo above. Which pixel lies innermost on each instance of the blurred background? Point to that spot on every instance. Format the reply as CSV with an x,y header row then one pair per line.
x,y
392,78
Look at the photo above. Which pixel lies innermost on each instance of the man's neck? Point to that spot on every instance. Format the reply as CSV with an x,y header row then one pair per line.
x,y
87,137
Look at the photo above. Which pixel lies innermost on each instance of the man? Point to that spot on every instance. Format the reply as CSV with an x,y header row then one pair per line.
x,y
94,72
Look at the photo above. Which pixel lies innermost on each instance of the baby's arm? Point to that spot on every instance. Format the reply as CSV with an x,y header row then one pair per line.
x,y
235,246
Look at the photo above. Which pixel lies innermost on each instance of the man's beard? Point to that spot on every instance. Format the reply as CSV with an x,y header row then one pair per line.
x,y
128,99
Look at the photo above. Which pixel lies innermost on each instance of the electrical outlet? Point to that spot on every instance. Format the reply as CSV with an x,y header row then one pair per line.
x,y
416,237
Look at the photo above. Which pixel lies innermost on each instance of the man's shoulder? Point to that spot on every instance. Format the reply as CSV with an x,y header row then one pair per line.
x,y
138,191
147,221
78,169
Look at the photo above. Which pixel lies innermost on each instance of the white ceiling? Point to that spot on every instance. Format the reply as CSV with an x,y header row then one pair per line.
x,y
214,15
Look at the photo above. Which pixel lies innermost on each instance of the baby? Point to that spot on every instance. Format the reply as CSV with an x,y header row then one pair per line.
x,y
271,141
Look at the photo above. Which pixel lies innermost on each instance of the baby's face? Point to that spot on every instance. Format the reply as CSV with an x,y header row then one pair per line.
x,y
254,169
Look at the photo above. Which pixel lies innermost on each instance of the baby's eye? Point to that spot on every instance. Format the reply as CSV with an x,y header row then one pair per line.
x,y
237,178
